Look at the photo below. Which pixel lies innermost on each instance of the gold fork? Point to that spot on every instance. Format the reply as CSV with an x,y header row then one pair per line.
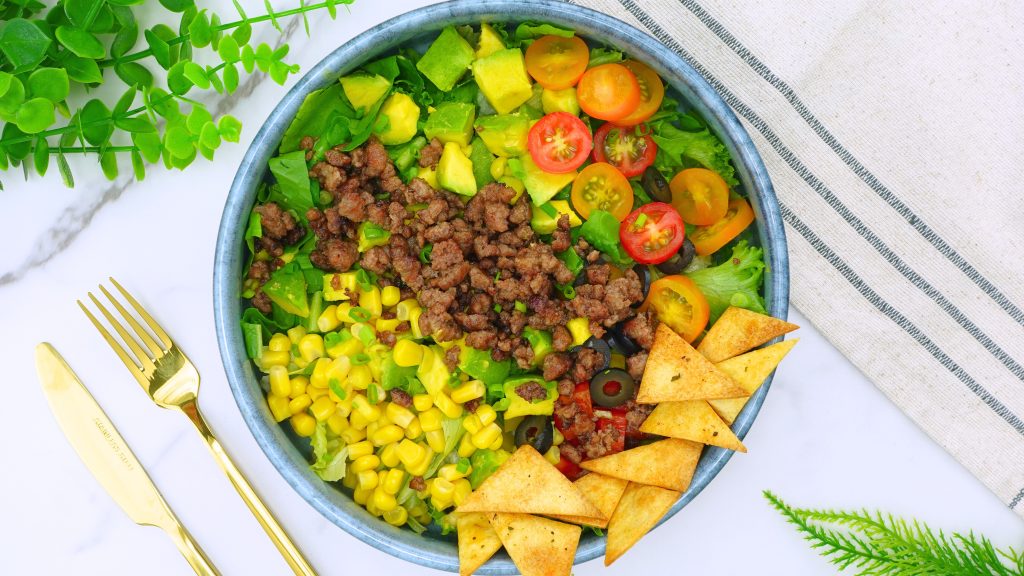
x,y
172,381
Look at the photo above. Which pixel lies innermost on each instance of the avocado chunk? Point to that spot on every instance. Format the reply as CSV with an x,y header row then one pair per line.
x,y
447,59
544,218
482,160
541,343
451,122
490,42
504,134
541,185
560,101
402,114
363,90
519,406
429,175
455,171
503,80
480,365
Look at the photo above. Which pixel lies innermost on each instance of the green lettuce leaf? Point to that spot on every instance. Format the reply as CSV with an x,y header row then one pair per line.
x,y
735,282
330,456
293,192
675,145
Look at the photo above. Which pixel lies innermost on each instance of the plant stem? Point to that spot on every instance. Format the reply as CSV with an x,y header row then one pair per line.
x,y
92,149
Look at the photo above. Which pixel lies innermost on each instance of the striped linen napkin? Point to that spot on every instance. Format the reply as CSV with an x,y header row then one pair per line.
x,y
894,136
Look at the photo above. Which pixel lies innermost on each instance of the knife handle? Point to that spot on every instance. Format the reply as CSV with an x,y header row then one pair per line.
x,y
190,550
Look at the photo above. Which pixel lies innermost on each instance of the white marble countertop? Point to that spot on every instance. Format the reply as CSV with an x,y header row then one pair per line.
x,y
825,437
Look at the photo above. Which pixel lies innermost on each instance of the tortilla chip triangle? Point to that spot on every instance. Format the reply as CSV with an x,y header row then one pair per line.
x,y
739,330
538,546
749,371
477,541
691,420
529,484
667,463
604,492
676,371
639,510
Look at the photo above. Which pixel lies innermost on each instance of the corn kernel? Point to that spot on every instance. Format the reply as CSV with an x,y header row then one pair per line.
x,y
403,309
462,491
442,490
397,517
414,323
371,301
408,353
328,319
351,435
431,419
410,453
414,430
390,296
359,377
361,495
485,437
386,324
298,384
318,393
360,449
383,501
344,311
322,408
279,383
388,434
280,343
303,424
279,407
557,437
367,479
466,447
435,439
299,403
337,423
446,406
393,480
368,462
362,406
345,404
296,333
349,481
580,330
422,402
450,472
311,346
399,414
469,391
371,507
498,443
269,359
318,378
486,414
338,369
553,455
389,455
472,424
371,429
358,421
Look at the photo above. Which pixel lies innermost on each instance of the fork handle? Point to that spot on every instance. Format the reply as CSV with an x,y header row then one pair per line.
x,y
277,535
190,550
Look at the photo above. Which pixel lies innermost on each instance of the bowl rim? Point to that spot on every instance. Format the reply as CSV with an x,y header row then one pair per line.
x,y
673,68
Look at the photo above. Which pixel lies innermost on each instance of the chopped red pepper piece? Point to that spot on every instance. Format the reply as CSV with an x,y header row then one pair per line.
x,y
617,422
568,468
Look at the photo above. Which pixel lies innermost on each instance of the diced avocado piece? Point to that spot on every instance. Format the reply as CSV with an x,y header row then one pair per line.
x,y
482,159
541,185
371,235
429,175
545,217
504,134
490,42
541,343
455,171
447,59
402,114
560,101
480,365
363,90
519,406
451,122
503,80
432,371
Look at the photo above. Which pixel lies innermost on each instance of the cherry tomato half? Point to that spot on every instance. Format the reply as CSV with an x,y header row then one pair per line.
x,y
679,303
700,195
652,92
601,186
559,142
608,92
631,149
557,63
652,233
708,239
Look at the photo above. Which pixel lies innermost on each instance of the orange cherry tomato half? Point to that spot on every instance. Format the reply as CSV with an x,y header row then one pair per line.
x,y
652,92
557,63
608,92
679,304
652,233
601,186
700,195
708,239
630,149
559,143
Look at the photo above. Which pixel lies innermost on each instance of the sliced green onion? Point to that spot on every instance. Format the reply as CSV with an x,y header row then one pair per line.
x,y
425,253
360,359
332,339
463,466
520,306
567,291
373,394
335,387
548,209
360,314
497,308
641,220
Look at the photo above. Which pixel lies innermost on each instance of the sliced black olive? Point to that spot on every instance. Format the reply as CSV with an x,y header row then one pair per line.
x,y
655,185
611,388
645,282
619,342
680,260
535,431
599,345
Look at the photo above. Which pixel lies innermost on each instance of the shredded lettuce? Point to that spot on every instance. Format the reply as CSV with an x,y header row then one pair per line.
x,y
735,282
453,432
533,30
600,56
684,141
293,192
484,463
331,455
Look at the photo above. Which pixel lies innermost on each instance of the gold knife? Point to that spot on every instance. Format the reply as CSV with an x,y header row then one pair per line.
x,y
108,457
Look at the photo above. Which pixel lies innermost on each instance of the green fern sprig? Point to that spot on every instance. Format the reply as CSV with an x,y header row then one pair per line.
x,y
882,545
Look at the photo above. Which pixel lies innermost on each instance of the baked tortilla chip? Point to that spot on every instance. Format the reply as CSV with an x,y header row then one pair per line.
x,y
676,371
477,541
538,546
639,510
667,463
738,330
691,420
527,483
604,492
749,371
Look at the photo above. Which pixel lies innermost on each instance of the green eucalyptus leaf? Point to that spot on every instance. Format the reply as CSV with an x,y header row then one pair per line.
x,y
215,81
273,17
198,118
229,128
280,53
242,34
331,10
209,136
125,40
125,101
105,22
62,108
217,34
148,144
200,33
84,70
5,82
65,171
197,75
16,151
108,162
138,166
177,81
96,125
206,151
71,136
279,72
126,2
241,12
228,50
183,162
49,83
264,56
80,42
135,124
230,78
134,74
248,58
36,115
41,156
178,141
23,43
177,5
161,50
123,14
82,12
12,98
4,163
165,107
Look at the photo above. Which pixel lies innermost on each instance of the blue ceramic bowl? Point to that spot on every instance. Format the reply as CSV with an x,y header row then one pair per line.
x,y
289,454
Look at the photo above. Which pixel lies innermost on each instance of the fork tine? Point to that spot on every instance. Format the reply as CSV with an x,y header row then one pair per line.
x,y
128,361
154,348
145,315
142,355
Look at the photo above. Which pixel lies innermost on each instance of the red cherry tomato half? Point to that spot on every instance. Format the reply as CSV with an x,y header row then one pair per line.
x,y
608,92
631,149
652,233
559,142
557,63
